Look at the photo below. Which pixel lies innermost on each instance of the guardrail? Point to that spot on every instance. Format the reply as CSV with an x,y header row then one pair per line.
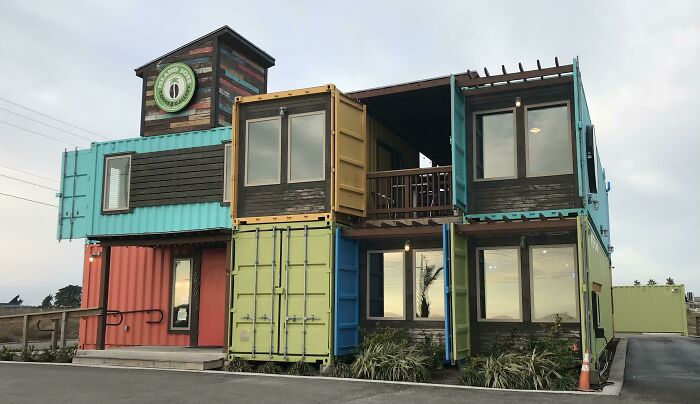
x,y
59,319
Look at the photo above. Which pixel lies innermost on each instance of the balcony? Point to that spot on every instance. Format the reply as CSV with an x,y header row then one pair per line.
x,y
410,194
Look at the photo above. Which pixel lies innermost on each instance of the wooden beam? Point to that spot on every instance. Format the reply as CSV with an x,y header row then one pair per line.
x,y
518,86
104,297
517,227
465,81
393,232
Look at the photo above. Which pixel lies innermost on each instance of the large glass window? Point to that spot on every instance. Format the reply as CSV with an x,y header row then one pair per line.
x,y
386,285
548,141
429,278
116,183
554,291
181,294
495,145
499,284
227,173
307,154
263,149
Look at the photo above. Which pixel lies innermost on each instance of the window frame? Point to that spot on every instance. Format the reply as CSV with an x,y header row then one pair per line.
x,y
226,197
475,114
415,295
105,170
543,105
246,183
289,147
171,314
520,288
403,286
576,283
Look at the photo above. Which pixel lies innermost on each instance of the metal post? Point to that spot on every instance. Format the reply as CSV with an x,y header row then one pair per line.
x,y
272,290
25,333
255,286
104,297
286,291
64,318
306,261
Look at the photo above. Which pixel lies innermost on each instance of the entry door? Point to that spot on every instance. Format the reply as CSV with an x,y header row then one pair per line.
x,y
212,297
256,278
459,289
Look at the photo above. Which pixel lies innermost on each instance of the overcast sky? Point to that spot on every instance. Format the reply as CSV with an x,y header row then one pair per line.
x,y
75,61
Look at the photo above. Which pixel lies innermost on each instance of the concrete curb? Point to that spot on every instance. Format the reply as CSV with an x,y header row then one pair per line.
x,y
617,372
348,380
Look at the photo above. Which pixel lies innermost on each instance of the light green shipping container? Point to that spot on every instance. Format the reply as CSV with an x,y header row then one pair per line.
x,y
659,308
281,287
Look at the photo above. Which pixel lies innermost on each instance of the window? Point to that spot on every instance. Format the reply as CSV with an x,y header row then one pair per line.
x,y
263,150
385,285
429,280
307,147
495,145
554,284
180,296
227,173
499,284
116,183
591,160
548,141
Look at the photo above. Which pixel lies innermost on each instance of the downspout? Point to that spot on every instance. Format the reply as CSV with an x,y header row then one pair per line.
x,y
586,291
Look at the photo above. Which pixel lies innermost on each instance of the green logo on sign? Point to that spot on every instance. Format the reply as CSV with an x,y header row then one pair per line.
x,y
174,87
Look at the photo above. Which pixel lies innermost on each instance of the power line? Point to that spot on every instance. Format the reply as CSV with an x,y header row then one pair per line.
x,y
28,173
28,200
37,133
56,119
28,182
46,124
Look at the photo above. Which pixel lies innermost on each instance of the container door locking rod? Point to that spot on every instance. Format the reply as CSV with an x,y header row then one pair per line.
x,y
286,291
306,263
255,286
272,289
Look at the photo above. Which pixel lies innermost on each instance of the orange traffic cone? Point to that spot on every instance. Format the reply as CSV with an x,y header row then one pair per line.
x,y
584,378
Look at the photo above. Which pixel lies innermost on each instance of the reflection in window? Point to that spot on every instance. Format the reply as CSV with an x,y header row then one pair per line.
x,y
263,152
386,284
499,284
307,134
548,141
429,292
181,294
116,185
553,283
495,146
227,173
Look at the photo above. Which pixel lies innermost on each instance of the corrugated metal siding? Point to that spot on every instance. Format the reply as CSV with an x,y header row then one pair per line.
x,y
88,219
139,279
212,297
657,308
599,272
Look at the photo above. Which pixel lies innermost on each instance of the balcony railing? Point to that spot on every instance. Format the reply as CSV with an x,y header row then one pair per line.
x,y
408,194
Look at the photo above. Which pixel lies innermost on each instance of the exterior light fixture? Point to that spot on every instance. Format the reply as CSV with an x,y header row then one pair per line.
x,y
283,111
518,103
407,246
93,255
535,130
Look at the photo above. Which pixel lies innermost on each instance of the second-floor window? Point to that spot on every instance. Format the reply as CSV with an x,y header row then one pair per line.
x,y
548,140
115,194
307,147
495,145
263,151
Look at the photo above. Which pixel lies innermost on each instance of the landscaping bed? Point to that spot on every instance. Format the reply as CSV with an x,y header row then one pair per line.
x,y
56,355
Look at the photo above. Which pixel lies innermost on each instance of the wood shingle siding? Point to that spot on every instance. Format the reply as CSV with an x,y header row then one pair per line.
x,y
177,176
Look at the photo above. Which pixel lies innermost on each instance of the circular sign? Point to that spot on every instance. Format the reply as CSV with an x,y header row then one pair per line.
x,y
174,87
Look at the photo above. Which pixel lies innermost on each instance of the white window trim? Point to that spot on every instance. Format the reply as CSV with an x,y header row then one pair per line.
x,y
415,295
478,286
526,145
227,195
279,151
515,143
575,280
104,183
289,147
172,295
403,286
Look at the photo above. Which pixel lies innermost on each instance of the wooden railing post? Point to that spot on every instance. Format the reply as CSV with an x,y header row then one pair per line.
x,y
64,318
54,333
25,332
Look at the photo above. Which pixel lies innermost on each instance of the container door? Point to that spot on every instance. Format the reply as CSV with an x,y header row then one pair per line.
x,y
77,170
350,162
459,287
346,325
256,277
305,292
448,302
459,146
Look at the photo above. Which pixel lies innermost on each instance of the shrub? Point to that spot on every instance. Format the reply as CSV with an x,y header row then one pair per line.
x,y
28,354
383,335
473,376
300,368
341,369
269,368
238,365
435,351
6,354
392,361
47,355
65,355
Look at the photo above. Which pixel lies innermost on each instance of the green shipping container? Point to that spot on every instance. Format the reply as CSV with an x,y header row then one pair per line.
x,y
659,308
281,292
